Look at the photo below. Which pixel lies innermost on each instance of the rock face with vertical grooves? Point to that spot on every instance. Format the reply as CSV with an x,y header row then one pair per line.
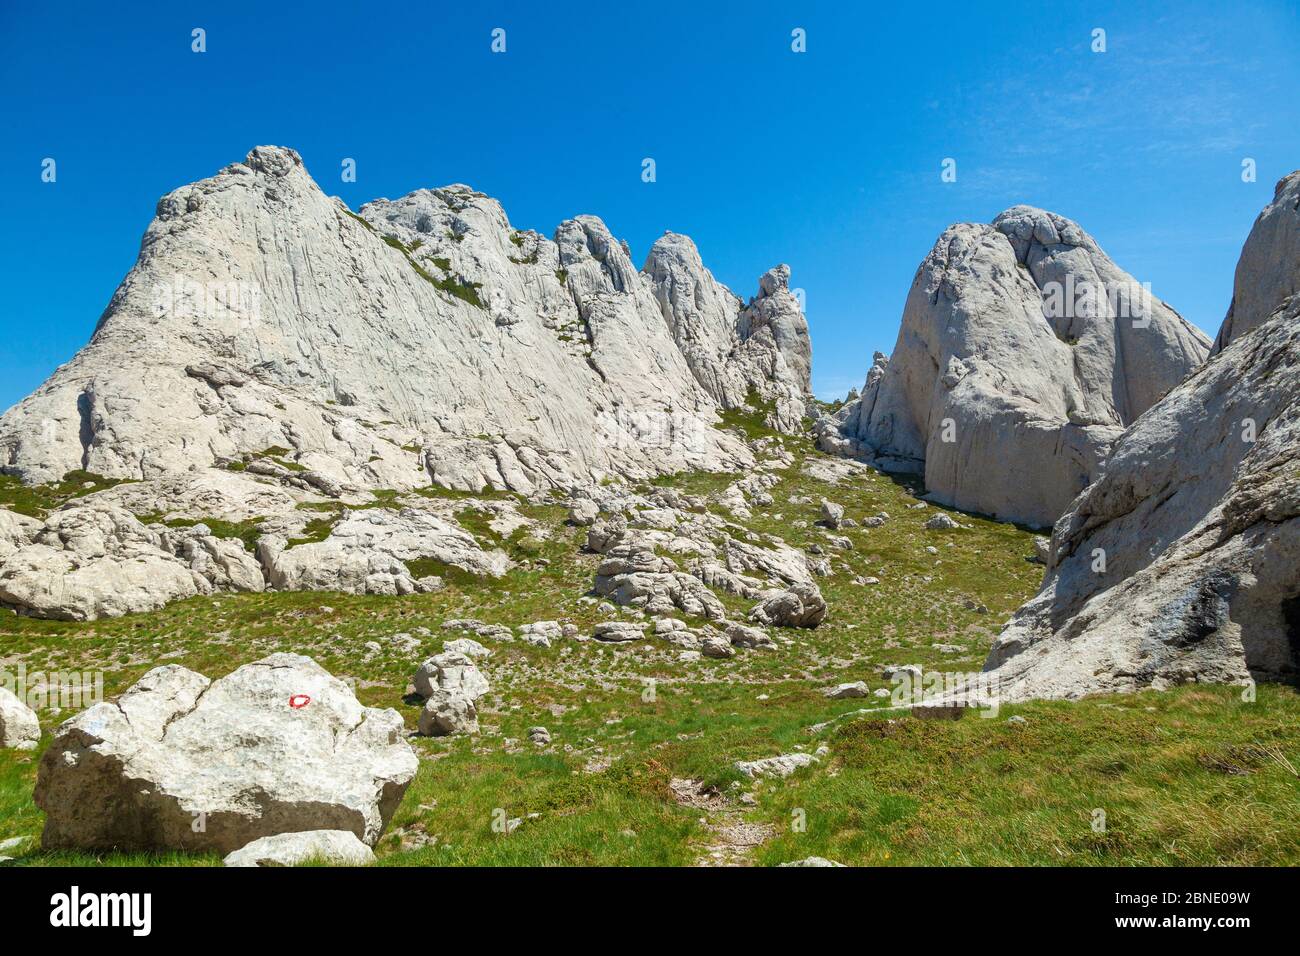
x,y
1182,563
271,349
422,340
1024,352
1268,271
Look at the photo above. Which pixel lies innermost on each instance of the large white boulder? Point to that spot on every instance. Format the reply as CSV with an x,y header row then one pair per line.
x,y
181,762
450,671
448,712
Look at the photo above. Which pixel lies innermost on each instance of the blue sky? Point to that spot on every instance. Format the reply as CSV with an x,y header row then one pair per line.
x,y
829,160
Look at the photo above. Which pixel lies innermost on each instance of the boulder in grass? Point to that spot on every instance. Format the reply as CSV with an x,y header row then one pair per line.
x,y
335,847
19,727
449,712
832,514
618,632
802,605
450,671
180,762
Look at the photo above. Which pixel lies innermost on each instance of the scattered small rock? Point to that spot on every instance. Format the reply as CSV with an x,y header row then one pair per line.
x,y
813,861
338,847
618,632
832,514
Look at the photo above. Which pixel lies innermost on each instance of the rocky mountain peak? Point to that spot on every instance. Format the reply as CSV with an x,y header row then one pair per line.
x,y
1024,352
274,160
419,339
1027,226
1268,272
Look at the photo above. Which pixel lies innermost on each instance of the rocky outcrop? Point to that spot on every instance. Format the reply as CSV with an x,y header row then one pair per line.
x,y
734,350
16,531
632,574
1024,352
271,349
637,569
367,552
98,560
424,339
800,606
1268,272
94,558
180,762
1182,563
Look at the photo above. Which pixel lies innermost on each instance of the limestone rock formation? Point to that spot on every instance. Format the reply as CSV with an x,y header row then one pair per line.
x,y
1182,563
277,746
1024,352
272,350
94,558
89,561
637,571
367,553
1268,271
449,712
423,339
765,351
802,605
450,671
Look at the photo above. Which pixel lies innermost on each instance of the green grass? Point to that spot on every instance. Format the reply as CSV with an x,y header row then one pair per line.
x,y
1185,778
1188,776
317,529
454,285
359,219
750,419
36,501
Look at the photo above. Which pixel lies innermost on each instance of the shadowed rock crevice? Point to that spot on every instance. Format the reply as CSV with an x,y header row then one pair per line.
x,y
1291,624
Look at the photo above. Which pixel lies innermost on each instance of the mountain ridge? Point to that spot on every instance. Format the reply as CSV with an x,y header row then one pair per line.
x,y
371,331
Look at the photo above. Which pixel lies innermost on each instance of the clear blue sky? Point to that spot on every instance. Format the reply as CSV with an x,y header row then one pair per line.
x,y
828,160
